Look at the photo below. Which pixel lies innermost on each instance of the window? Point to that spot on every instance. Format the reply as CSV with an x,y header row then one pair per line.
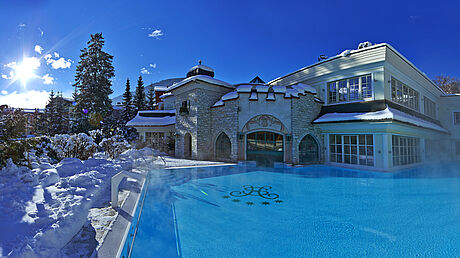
x,y
352,149
457,118
184,108
406,150
352,89
404,95
429,107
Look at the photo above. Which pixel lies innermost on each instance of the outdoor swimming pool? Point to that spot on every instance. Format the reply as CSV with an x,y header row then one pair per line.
x,y
239,211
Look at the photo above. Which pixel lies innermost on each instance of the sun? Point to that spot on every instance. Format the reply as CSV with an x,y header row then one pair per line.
x,y
25,70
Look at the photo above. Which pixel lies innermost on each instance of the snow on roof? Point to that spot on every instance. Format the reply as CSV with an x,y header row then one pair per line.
x,y
253,96
262,88
160,88
279,89
219,103
318,100
203,78
165,95
244,88
230,95
166,111
203,67
450,95
386,114
152,121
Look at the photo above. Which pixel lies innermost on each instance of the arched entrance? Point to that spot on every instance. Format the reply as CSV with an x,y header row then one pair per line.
x,y
265,147
223,147
308,150
187,145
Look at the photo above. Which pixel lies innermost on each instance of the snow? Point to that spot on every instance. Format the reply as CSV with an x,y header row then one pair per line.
x,y
271,96
168,94
152,121
230,95
386,114
219,103
245,88
253,96
262,88
279,89
63,209
160,88
203,67
203,78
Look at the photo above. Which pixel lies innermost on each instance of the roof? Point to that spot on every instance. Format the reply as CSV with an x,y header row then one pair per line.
x,y
203,78
255,89
348,52
153,118
202,67
381,115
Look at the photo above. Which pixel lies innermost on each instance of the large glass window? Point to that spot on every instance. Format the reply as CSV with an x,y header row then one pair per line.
x,y
352,149
406,150
429,107
351,89
457,149
404,95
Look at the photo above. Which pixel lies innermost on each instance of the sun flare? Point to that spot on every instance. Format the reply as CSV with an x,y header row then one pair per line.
x,y
25,70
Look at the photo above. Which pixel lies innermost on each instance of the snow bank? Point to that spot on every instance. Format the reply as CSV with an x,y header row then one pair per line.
x,y
43,208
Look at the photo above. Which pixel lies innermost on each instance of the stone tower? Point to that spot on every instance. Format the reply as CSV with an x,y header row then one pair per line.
x,y
194,97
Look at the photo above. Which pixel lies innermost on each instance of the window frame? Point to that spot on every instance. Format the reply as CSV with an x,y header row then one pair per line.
x,y
407,151
426,103
406,99
359,97
454,118
349,152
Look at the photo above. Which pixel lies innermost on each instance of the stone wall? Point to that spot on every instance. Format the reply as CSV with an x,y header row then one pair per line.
x,y
225,119
304,111
186,123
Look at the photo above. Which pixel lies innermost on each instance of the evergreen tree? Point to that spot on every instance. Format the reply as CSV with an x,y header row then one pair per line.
x,y
49,115
93,85
151,98
127,103
139,97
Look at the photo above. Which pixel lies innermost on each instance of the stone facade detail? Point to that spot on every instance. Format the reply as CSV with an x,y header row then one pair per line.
x,y
303,111
225,119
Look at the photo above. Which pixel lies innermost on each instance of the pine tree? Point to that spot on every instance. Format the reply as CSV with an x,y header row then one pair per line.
x,y
139,97
127,103
151,98
50,115
93,85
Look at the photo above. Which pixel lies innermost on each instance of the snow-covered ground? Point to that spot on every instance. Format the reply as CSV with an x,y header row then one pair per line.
x,y
64,209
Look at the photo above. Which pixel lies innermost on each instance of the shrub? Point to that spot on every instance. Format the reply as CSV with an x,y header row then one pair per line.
x,y
79,146
114,146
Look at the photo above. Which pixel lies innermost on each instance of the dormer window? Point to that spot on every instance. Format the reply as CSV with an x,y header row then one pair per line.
x,y
184,108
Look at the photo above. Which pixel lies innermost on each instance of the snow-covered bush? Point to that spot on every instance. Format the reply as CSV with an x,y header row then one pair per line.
x,y
79,146
114,146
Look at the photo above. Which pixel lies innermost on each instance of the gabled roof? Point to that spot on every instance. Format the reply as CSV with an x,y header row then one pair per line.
x,y
147,118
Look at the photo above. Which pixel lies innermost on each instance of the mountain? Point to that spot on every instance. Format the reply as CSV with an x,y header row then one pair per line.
x,y
165,83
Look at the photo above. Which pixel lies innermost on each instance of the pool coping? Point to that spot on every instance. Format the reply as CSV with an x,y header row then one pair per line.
x,y
116,237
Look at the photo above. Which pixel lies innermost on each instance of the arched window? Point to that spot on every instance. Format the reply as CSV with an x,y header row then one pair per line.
x,y
223,147
308,150
187,145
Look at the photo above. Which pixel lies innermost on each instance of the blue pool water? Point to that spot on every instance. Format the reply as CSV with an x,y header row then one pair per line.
x,y
237,211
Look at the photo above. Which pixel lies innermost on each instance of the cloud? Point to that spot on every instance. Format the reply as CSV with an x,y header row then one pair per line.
x,y
38,49
4,92
47,79
155,34
11,65
153,65
60,63
144,71
21,25
41,32
28,99
9,76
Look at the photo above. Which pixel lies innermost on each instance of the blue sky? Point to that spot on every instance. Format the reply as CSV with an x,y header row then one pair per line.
x,y
239,39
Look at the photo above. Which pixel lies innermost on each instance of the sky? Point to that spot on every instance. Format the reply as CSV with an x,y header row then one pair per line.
x,y
41,40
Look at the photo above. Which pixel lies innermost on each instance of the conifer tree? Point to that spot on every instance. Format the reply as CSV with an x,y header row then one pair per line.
x,y
127,103
151,98
139,97
93,85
